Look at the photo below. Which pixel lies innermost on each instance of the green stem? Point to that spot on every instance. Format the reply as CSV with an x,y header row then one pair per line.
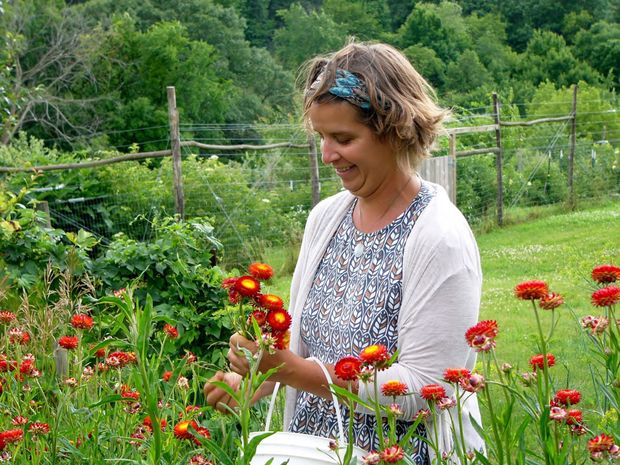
x,y
494,427
378,411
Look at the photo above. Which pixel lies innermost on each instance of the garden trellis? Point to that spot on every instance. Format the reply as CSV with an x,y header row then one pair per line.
x,y
282,168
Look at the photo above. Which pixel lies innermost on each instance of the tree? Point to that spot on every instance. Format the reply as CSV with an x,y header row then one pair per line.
x,y
424,27
600,46
427,63
293,48
548,57
48,50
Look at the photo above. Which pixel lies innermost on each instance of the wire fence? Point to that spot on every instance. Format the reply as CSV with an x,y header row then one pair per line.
x,y
260,199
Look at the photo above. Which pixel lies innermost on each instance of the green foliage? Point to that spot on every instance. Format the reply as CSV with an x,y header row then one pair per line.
x,y
175,269
26,245
293,48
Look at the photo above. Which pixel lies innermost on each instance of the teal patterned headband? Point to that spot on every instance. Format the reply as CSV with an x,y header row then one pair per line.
x,y
347,86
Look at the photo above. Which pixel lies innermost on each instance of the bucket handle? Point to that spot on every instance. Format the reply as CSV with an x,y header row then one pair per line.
x,y
272,403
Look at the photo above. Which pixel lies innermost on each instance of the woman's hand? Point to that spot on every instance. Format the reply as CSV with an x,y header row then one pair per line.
x,y
236,357
218,397
281,359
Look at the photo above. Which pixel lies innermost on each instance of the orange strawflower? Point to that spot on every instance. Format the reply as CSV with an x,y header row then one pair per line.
x,y
279,320
600,443
181,429
394,388
270,302
376,354
68,342
432,392
261,271
39,428
82,321
171,331
247,286
481,336
454,375
531,290
551,301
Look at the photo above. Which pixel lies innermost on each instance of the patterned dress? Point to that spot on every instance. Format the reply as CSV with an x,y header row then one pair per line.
x,y
355,302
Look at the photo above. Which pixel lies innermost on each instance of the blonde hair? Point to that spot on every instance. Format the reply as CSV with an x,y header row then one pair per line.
x,y
403,109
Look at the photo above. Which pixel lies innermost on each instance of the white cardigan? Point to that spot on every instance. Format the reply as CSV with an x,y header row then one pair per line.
x,y
441,296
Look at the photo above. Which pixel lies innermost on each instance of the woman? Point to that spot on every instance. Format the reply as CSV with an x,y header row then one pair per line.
x,y
387,261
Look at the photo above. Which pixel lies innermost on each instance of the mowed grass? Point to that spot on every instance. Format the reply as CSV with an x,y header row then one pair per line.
x,y
562,250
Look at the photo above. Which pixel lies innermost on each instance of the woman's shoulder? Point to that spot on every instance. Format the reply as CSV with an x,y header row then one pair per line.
x,y
331,207
442,231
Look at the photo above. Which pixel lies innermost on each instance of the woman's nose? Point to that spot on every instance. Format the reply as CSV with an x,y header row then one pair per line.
x,y
328,152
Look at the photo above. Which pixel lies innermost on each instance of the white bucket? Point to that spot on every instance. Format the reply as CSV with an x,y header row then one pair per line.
x,y
302,449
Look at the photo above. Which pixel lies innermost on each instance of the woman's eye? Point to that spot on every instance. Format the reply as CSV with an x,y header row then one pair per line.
x,y
343,140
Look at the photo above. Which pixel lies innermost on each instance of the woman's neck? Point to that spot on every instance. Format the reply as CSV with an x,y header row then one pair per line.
x,y
374,212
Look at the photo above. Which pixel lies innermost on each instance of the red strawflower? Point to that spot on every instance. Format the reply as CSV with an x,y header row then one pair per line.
x,y
567,397
68,342
270,302
454,375
600,443
12,435
376,354
347,368
432,392
283,339
481,336
6,365
279,320
118,359
247,286
531,290
19,420
190,357
394,388
606,274
171,331
148,424
26,367
181,429
6,317
537,361
551,301
166,376
39,428
18,336
574,417
259,316
199,459
392,454
606,297
261,271
82,321
201,431
128,393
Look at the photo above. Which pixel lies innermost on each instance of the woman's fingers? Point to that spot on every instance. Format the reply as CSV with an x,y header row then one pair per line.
x,y
218,397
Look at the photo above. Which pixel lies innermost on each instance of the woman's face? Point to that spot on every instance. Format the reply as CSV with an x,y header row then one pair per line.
x,y
364,163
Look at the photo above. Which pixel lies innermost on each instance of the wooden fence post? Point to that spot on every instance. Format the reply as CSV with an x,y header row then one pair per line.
x,y
314,170
498,162
571,153
175,143
452,165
